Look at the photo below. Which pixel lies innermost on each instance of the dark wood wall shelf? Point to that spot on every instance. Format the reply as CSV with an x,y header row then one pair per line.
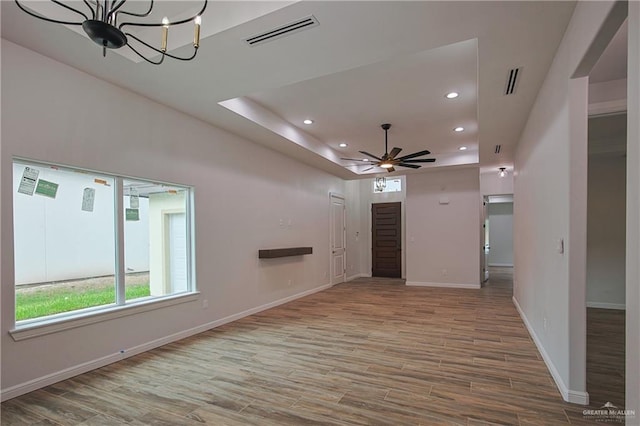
x,y
284,252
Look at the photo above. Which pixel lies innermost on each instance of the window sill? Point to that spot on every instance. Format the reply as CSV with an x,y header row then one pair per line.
x,y
55,325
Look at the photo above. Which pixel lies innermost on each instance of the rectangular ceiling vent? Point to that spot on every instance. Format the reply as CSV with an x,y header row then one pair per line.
x,y
498,147
284,30
512,81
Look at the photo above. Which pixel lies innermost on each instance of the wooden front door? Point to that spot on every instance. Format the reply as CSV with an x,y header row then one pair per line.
x,y
386,244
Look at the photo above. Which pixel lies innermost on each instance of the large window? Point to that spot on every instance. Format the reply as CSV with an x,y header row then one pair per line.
x,y
88,242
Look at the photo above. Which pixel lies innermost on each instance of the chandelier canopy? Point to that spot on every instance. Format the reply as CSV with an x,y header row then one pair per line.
x,y
106,23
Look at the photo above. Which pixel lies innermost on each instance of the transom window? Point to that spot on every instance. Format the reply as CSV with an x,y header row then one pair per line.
x,y
382,184
86,242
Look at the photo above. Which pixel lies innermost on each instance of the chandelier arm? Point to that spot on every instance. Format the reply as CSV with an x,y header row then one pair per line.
x,y
69,8
93,12
145,58
115,8
182,21
140,15
195,50
35,15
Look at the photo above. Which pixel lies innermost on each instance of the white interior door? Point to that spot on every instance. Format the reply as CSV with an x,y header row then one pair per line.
x,y
484,257
338,240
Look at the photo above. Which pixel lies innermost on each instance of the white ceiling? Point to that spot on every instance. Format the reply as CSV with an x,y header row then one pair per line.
x,y
365,64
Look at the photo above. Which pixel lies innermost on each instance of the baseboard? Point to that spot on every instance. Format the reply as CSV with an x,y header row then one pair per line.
x,y
568,395
446,285
602,305
501,265
49,379
361,275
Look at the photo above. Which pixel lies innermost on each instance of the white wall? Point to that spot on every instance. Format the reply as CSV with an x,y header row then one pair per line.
x,y
500,234
606,233
443,240
632,371
492,184
99,126
550,205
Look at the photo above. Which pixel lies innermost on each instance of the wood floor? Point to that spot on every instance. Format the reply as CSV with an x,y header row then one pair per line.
x,y
371,351
605,356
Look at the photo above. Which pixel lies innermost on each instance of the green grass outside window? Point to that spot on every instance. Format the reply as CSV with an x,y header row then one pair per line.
x,y
52,300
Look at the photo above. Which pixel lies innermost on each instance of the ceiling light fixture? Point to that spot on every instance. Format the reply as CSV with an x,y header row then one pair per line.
x,y
307,121
101,21
459,129
365,159
452,95
503,172
463,148
386,165
381,184
343,145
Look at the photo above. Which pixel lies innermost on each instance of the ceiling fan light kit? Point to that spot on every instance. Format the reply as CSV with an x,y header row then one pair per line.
x,y
389,161
99,20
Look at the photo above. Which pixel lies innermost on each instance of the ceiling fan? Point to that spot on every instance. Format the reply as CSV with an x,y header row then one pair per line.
x,y
389,161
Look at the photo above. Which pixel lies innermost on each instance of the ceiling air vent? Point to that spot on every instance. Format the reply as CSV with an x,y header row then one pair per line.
x,y
284,30
498,147
512,81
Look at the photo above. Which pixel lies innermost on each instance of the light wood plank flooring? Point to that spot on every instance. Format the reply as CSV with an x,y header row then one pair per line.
x,y
371,351
605,356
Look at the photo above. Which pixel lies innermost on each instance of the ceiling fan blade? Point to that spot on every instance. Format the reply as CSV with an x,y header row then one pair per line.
x,y
395,151
411,166
415,154
370,155
355,159
421,160
391,169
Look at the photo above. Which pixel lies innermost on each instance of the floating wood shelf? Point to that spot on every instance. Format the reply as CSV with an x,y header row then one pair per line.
x,y
284,252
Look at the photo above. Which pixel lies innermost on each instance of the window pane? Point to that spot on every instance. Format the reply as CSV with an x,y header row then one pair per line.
x,y
387,185
63,240
155,239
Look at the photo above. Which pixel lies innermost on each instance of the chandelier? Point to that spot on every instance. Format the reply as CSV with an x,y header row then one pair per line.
x,y
381,183
106,23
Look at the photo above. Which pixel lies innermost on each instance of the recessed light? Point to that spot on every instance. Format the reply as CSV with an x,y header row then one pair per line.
x,y
463,148
343,145
307,121
452,95
365,159
459,129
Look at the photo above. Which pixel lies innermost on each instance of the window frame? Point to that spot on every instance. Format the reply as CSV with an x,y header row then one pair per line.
x,y
43,325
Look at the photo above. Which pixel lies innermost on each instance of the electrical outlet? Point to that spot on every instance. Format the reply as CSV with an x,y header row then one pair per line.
x,y
205,303
290,282
544,323
444,272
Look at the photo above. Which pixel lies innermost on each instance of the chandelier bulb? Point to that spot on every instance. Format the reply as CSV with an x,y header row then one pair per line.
x,y
165,33
196,31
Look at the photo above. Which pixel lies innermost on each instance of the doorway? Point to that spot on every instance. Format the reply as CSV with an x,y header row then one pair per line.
x,y
338,268
386,240
606,234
